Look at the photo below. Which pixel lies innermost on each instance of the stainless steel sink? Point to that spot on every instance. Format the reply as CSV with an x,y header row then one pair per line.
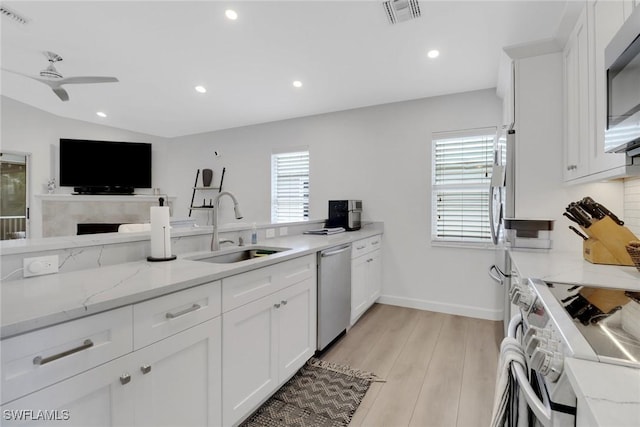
x,y
229,256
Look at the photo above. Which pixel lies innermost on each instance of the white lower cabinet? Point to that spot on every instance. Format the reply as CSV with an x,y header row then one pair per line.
x,y
366,275
264,342
175,381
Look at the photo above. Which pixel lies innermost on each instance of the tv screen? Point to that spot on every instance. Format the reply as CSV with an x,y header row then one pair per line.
x,y
85,163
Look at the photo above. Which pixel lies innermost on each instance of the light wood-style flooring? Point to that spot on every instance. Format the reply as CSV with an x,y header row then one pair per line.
x,y
439,369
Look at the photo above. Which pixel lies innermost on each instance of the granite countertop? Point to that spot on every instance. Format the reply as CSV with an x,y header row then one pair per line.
x,y
608,395
42,301
571,268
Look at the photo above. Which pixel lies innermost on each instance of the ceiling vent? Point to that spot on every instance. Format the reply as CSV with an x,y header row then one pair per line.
x,y
13,15
401,10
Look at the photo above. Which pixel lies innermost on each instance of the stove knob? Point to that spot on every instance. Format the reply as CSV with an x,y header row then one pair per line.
x,y
547,362
533,343
524,301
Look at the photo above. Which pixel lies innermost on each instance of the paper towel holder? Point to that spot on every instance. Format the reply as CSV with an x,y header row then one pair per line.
x,y
164,230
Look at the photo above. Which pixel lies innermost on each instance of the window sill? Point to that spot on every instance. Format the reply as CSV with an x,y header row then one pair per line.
x,y
463,245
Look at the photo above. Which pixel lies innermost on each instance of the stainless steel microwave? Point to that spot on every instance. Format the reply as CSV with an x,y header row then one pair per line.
x,y
622,62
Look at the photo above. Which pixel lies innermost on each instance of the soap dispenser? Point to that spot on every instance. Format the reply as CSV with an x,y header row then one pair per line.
x,y
254,234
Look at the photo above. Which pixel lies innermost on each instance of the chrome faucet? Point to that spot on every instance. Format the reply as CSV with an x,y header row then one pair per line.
x,y
215,243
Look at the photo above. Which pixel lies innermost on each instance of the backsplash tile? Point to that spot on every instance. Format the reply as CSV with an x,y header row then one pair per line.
x,y
632,204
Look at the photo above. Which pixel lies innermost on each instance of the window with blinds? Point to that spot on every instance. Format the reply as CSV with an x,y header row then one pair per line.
x,y
290,186
462,166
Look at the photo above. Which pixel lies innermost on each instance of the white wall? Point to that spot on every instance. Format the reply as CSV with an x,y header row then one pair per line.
x,y
379,154
30,130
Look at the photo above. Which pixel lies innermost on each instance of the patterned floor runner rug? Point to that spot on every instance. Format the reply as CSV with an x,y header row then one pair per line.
x,y
320,394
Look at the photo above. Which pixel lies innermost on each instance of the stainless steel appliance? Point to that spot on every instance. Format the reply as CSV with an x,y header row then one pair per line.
x,y
561,320
334,293
622,62
502,204
345,213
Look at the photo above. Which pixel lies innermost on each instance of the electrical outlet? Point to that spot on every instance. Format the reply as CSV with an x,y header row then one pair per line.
x,y
37,266
271,232
284,231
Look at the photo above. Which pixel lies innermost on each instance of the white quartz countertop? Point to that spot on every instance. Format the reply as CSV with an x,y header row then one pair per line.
x,y
571,268
42,301
608,395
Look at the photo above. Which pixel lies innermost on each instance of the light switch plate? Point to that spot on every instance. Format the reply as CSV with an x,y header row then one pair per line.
x,y
37,266
271,232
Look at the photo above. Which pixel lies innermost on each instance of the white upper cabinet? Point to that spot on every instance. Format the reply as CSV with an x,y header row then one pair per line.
x,y
576,83
606,17
585,93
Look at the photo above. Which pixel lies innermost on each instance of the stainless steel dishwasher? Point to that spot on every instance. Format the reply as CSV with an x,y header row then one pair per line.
x,y
334,293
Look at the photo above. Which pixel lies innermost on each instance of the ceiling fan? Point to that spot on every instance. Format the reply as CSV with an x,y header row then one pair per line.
x,y
52,78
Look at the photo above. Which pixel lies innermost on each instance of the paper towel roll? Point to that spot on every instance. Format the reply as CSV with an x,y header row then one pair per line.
x,y
160,232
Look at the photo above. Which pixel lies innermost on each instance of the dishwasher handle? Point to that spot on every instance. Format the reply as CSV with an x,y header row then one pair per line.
x,y
335,252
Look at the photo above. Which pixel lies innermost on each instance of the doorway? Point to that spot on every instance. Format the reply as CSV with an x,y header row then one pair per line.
x,y
14,195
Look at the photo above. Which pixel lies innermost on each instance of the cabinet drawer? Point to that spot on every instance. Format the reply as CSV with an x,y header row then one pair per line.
x,y
359,247
364,246
40,358
161,317
244,288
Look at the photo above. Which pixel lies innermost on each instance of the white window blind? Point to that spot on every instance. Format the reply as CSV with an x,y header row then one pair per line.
x,y
290,186
462,166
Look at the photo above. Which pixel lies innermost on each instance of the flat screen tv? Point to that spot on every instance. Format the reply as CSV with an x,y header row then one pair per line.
x,y
104,167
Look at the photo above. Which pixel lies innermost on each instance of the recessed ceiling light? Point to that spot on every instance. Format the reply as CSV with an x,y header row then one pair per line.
x,y
201,89
101,114
433,53
297,83
231,14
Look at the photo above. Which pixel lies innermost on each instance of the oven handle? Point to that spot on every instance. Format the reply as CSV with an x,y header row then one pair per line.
x,y
542,413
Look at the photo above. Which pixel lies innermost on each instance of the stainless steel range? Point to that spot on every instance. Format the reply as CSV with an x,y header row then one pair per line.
x,y
560,320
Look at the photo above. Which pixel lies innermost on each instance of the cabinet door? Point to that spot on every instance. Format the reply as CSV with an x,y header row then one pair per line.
x,y
297,327
374,277
576,68
606,17
359,268
178,380
94,398
249,351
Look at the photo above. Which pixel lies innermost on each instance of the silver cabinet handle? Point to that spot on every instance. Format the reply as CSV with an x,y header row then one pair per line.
x,y
39,360
145,369
194,307
283,302
572,167
125,379
276,305
360,247
375,242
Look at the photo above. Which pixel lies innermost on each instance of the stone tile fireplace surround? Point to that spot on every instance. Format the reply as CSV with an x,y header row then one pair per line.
x,y
62,213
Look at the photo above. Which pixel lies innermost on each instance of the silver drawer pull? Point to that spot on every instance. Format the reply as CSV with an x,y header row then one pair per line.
x,y
283,302
194,307
39,360
276,305
375,242
145,369
360,247
125,379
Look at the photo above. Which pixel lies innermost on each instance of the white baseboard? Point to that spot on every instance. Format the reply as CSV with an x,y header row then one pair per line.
x,y
460,310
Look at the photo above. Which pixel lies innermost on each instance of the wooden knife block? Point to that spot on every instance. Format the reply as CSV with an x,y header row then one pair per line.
x,y
607,243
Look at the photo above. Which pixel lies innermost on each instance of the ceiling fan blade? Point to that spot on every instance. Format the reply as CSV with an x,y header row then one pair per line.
x,y
62,94
86,79
53,83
